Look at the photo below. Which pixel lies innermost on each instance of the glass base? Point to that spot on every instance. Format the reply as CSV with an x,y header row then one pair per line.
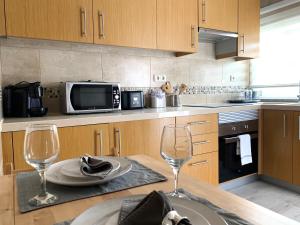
x,y
43,200
176,195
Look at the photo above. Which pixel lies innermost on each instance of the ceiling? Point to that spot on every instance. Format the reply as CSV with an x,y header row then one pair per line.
x,y
264,3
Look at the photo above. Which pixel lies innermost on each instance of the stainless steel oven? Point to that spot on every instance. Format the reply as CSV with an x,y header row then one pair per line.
x,y
90,97
230,126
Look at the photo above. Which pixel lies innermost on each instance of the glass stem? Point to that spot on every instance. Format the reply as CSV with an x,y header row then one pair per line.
x,y
43,183
176,172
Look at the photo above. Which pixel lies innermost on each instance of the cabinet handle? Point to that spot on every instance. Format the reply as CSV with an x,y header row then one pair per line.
x,y
243,43
193,35
203,11
199,122
201,142
199,163
299,127
118,138
284,125
83,21
101,24
100,135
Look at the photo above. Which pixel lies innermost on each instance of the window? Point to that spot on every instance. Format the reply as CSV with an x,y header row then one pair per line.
x,y
277,72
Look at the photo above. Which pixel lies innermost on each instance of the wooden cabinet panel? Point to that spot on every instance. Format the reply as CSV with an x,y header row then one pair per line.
x,y
203,167
296,149
219,14
200,124
249,28
205,143
177,22
129,23
277,144
138,137
2,19
7,153
67,20
74,142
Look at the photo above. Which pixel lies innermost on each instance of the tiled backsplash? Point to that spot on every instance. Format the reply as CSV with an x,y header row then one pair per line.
x,y
52,62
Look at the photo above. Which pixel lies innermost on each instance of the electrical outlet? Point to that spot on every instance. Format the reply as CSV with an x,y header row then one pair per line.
x,y
232,78
164,78
159,78
156,78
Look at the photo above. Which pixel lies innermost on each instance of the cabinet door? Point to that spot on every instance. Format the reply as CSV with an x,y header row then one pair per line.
x,y
219,14
2,19
177,25
203,167
277,144
74,142
296,149
67,20
249,28
127,138
129,23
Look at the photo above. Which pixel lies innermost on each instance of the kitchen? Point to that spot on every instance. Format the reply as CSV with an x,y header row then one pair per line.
x,y
222,61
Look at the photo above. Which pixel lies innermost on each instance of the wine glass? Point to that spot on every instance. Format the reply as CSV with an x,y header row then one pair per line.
x,y
176,149
41,149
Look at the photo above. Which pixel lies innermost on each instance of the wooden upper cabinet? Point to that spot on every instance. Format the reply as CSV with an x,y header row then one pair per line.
x,y
277,144
129,23
296,149
249,28
2,19
177,25
66,20
219,15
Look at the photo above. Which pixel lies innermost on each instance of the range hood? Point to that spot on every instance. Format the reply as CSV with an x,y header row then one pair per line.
x,y
214,36
225,42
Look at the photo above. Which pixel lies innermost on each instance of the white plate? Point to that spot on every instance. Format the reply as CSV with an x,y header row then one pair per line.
x,y
72,167
107,213
54,174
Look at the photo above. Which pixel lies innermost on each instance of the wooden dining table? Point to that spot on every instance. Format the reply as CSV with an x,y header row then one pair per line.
x,y
10,214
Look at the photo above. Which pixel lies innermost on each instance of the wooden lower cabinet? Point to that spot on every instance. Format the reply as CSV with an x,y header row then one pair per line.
x,y
74,142
2,19
203,167
138,137
296,149
277,144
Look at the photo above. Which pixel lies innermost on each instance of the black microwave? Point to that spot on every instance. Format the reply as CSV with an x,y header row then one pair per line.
x,y
90,97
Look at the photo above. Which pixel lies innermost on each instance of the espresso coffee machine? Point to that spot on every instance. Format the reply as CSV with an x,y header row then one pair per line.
x,y
23,100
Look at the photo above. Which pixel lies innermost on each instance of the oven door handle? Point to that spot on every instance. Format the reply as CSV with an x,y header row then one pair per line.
x,y
235,139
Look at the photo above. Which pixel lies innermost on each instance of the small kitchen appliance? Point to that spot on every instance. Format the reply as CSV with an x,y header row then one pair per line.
x,y
90,97
23,100
132,100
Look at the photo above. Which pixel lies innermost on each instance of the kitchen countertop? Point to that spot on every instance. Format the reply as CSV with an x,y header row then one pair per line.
x,y
16,124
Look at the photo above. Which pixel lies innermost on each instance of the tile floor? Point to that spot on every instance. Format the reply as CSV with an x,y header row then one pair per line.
x,y
275,198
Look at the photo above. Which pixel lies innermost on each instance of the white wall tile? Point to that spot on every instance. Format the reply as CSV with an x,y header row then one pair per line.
x,y
59,66
130,71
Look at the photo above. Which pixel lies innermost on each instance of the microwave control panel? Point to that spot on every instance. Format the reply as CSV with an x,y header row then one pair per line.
x,y
116,97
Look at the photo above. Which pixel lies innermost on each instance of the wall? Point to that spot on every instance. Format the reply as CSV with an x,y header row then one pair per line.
x,y
52,62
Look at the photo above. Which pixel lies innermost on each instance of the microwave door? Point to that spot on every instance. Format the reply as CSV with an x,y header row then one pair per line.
x,y
91,97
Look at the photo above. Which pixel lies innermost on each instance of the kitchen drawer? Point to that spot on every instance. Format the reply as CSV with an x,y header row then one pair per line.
x,y
200,124
203,167
205,143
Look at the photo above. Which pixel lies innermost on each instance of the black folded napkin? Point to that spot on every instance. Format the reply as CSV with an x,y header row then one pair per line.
x,y
152,210
95,167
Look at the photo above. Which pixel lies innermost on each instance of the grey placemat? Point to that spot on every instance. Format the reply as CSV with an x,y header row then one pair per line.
x,y
28,185
230,218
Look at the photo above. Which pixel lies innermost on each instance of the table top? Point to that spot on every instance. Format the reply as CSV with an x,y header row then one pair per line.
x,y
10,215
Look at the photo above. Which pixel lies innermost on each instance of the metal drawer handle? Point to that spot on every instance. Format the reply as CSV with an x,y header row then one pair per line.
x,y
203,11
299,126
101,24
193,34
201,142
100,135
118,138
199,163
83,21
243,42
284,125
199,122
